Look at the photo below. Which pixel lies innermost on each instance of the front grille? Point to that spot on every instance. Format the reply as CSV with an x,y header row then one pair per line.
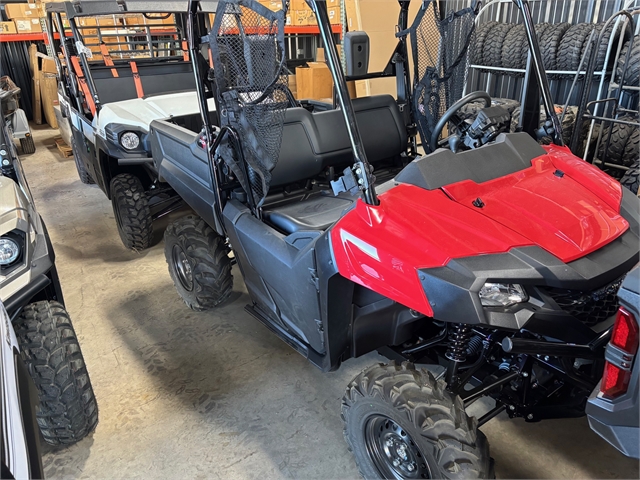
x,y
590,307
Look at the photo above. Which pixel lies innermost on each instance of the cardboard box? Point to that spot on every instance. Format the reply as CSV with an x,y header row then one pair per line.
x,y
49,96
28,25
48,66
351,12
293,87
298,5
314,81
8,27
21,10
334,15
42,9
152,19
272,5
321,57
102,21
378,18
303,18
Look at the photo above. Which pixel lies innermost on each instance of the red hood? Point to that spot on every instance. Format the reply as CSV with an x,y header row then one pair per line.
x,y
551,208
568,215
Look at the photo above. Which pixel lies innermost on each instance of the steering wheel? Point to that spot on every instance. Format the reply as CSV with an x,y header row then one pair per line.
x,y
452,110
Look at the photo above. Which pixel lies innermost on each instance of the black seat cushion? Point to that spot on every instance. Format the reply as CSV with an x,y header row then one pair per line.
x,y
314,213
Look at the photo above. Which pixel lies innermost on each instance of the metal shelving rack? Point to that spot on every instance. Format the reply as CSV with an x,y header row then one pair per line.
x,y
608,108
508,82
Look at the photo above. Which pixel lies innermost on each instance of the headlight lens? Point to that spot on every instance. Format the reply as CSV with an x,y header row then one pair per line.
x,y
9,251
130,140
502,294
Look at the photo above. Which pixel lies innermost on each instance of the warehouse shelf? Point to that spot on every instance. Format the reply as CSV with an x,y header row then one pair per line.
x,y
27,37
41,37
310,29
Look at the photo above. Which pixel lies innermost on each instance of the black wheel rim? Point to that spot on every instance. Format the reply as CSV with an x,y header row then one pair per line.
x,y
182,267
393,451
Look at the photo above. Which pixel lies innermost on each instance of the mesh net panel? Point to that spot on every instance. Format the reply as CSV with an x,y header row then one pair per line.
x,y
247,45
439,48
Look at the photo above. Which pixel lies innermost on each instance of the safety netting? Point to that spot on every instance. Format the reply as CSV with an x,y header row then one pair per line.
x,y
247,47
439,45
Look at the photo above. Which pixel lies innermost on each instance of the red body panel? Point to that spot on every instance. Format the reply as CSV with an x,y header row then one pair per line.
x,y
594,179
381,247
556,213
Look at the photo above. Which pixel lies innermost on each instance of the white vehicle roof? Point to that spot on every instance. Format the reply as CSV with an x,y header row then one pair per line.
x,y
140,112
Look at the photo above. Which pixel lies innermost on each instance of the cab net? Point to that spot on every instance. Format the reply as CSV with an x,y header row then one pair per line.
x,y
439,45
247,48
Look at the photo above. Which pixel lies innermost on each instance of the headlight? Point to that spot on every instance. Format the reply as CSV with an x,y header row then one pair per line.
x,y
129,140
502,294
9,251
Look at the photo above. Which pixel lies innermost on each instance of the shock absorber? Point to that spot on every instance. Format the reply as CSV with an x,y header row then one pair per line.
x,y
457,351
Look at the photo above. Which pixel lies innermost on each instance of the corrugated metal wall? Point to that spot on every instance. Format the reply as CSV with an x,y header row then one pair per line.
x,y
14,62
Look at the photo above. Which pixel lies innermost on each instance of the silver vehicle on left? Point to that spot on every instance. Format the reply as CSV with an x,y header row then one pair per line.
x,y
20,440
43,369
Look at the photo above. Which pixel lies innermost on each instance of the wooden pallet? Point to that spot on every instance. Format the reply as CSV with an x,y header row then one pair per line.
x,y
64,149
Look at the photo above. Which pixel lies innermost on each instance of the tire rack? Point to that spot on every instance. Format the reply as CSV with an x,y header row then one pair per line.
x,y
614,101
508,82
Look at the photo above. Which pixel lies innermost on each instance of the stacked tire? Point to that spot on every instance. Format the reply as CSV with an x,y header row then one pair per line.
x,y
550,42
568,120
630,179
572,45
562,46
632,73
623,146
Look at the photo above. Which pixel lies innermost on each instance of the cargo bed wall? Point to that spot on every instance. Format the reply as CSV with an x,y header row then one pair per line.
x,y
183,165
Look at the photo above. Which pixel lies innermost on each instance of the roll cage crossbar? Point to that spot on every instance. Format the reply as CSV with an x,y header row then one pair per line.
x,y
359,177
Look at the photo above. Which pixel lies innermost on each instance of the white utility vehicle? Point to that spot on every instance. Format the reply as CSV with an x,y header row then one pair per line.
x,y
118,72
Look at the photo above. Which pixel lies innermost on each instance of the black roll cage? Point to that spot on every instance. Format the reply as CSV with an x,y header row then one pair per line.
x,y
536,80
538,86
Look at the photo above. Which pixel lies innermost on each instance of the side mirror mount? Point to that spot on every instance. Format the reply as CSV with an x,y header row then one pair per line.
x,y
356,50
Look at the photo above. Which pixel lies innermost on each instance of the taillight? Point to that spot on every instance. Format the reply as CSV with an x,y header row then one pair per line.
x,y
615,380
625,332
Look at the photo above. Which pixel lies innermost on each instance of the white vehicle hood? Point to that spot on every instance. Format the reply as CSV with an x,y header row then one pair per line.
x,y
140,112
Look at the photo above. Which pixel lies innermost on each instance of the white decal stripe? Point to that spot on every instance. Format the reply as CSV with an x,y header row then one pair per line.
x,y
361,244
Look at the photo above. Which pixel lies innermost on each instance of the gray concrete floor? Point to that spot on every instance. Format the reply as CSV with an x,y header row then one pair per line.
x,y
215,395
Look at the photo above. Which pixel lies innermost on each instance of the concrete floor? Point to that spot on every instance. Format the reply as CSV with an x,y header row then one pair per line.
x,y
215,395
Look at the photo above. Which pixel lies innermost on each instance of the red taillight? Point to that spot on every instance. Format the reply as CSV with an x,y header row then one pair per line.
x,y
625,332
615,380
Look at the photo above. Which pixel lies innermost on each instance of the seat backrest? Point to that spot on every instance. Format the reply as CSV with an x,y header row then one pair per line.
x,y
156,79
312,142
